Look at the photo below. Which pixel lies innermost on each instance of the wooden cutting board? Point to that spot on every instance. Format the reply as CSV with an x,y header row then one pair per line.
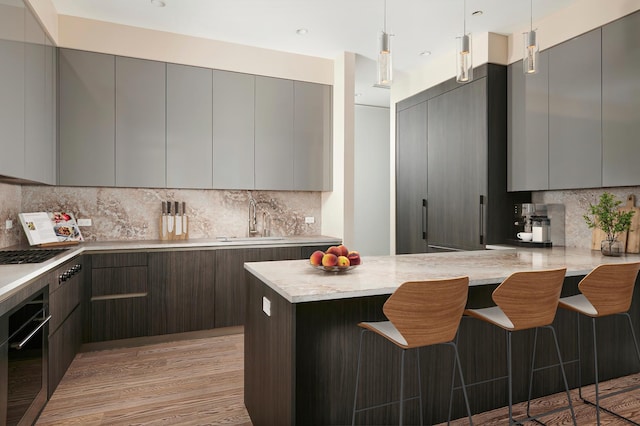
x,y
631,239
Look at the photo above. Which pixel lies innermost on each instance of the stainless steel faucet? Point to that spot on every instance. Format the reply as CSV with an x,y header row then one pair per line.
x,y
253,220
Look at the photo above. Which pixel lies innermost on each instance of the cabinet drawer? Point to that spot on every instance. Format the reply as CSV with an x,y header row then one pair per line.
x,y
63,301
118,281
116,260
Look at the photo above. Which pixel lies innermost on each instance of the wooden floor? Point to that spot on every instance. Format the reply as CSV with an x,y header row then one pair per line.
x,y
200,381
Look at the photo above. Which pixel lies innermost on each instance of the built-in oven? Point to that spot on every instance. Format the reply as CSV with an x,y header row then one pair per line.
x,y
26,365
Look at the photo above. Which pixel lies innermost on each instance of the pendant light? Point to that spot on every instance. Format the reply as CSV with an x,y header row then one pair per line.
x,y
531,50
384,57
464,63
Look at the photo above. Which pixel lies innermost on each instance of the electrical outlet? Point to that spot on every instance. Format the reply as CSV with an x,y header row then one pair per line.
x,y
84,222
266,306
8,224
309,219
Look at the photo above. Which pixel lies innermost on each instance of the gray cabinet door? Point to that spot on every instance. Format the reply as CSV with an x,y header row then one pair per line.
x,y
575,121
312,137
39,149
621,102
274,134
189,127
86,96
411,179
12,88
457,167
528,127
233,130
140,123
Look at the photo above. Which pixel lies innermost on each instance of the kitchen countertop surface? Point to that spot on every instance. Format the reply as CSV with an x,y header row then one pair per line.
x,y
12,277
297,281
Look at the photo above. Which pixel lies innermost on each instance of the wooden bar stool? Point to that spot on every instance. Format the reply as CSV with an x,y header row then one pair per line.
x,y
607,290
420,313
526,300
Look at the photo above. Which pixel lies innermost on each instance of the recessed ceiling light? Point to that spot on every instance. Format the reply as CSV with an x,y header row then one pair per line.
x,y
477,13
358,95
302,31
158,3
425,53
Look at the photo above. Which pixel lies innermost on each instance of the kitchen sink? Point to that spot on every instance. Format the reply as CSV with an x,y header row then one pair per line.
x,y
231,239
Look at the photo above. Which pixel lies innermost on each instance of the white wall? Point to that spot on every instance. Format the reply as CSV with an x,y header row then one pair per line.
x,y
371,181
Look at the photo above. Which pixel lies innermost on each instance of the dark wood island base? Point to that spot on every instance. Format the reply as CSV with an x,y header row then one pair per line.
x,y
300,362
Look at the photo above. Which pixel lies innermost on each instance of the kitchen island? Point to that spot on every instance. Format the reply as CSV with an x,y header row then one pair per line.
x,y
301,338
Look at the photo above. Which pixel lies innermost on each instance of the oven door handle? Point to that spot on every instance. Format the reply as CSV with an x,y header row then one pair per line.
x,y
35,330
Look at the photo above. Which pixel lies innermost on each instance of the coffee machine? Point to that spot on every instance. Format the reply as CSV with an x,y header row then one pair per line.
x,y
544,221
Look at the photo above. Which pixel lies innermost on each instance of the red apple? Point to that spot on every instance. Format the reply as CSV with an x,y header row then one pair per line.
x,y
343,250
354,258
316,258
329,259
343,262
334,250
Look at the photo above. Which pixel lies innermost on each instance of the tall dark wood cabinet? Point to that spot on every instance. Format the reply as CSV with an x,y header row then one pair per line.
x,y
411,179
182,291
464,157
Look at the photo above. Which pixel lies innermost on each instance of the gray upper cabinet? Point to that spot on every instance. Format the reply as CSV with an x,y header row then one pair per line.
x,y
12,62
575,121
189,127
140,123
621,102
86,93
274,134
233,130
528,127
312,137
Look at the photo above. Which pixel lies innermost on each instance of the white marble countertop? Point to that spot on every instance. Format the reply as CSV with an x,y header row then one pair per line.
x,y
297,281
13,277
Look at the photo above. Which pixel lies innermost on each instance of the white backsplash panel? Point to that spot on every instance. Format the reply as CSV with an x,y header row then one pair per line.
x,y
577,233
134,213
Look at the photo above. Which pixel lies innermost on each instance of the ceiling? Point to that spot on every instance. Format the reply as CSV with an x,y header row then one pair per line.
x,y
334,26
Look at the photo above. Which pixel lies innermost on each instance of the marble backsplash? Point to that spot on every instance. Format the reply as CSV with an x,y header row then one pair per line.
x,y
10,206
576,203
134,213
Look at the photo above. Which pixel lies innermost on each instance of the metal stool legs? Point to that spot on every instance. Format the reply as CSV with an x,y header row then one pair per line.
x,y
402,398
595,362
458,364
533,369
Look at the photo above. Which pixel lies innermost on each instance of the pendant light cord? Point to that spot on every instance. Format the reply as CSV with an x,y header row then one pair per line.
x,y
531,15
384,24
464,17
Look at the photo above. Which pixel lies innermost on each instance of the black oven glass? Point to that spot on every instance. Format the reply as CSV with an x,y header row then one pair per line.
x,y
26,357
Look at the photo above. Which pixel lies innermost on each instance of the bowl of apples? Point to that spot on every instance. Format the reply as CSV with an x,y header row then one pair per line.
x,y
335,259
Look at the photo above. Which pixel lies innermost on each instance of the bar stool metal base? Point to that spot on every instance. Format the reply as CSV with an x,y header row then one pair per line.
x,y
402,398
600,397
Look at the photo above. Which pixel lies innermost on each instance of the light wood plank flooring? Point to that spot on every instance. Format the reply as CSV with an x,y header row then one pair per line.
x,y
200,381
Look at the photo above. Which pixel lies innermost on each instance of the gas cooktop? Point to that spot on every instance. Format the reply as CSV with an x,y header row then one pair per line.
x,y
13,257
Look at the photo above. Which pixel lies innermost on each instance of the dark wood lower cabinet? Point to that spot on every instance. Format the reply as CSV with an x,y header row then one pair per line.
x,y
230,289
182,291
119,296
64,344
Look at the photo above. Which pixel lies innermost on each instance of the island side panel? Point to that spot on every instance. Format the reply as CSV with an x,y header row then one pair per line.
x,y
269,358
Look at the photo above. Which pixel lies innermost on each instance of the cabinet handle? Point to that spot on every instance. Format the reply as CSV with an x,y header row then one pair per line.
x,y
26,339
482,219
424,218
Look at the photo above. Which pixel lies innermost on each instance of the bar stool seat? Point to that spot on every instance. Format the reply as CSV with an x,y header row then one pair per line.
x,y
526,300
419,313
606,290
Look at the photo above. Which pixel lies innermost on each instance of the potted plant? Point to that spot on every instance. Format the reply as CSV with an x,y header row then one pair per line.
x,y
606,216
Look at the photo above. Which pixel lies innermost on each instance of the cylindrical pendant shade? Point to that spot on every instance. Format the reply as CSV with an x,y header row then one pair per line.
x,y
530,53
464,60
385,76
